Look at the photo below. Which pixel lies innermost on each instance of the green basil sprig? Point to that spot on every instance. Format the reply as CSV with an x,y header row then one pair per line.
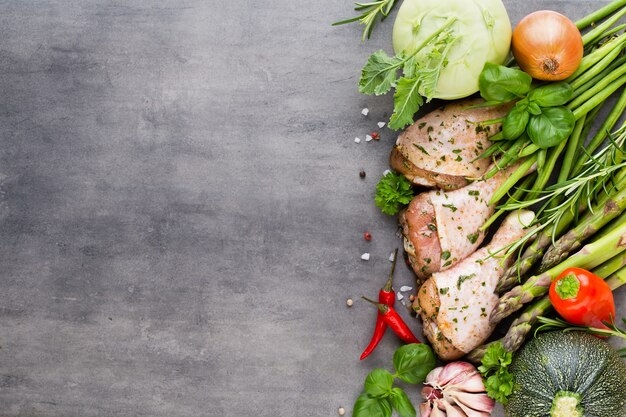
x,y
539,112
412,363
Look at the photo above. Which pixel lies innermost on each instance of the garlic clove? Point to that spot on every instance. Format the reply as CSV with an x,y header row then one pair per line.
x,y
455,371
472,384
436,412
474,405
454,411
433,376
479,402
425,409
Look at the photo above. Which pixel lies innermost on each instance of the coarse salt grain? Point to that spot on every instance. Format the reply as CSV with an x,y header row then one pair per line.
x,y
368,138
365,256
405,288
357,140
392,257
387,171
365,111
381,124
400,296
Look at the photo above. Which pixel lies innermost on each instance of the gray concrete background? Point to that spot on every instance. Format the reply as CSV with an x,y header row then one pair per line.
x,y
181,214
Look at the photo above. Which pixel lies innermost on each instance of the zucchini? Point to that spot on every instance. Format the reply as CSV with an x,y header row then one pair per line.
x,y
573,374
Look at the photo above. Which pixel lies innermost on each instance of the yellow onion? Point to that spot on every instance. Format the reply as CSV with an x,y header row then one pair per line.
x,y
455,390
547,45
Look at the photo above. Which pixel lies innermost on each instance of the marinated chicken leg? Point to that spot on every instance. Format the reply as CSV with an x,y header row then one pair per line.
x,y
455,304
442,228
440,149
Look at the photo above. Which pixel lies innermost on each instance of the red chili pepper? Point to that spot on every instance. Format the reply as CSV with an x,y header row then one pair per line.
x,y
367,236
386,296
395,322
582,298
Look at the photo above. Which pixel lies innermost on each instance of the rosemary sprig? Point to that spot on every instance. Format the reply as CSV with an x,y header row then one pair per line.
x,y
548,324
369,15
570,195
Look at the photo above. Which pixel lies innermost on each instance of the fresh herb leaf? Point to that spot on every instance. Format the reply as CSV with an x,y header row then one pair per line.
x,y
499,84
462,279
445,255
407,101
401,403
413,362
380,72
450,206
378,383
494,368
551,127
472,237
436,60
370,14
392,192
551,95
515,123
366,406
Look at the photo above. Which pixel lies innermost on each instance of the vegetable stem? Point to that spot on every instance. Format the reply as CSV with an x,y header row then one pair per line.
x,y
596,33
510,182
597,55
597,88
599,98
599,14
572,147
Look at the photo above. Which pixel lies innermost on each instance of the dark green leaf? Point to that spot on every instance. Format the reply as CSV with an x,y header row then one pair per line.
x,y
379,73
406,101
413,362
401,403
494,368
378,383
501,84
515,123
551,127
551,95
392,192
366,406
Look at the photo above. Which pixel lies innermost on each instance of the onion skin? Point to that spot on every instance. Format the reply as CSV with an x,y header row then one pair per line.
x,y
547,45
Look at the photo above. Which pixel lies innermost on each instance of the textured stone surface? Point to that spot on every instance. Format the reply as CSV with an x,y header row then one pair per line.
x,y
180,210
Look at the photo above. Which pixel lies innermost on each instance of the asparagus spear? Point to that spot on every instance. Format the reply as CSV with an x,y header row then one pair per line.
x,y
587,227
522,326
535,251
590,256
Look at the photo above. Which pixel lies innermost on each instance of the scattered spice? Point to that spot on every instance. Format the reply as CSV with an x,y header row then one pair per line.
x,y
357,140
362,173
365,111
405,288
365,256
375,136
400,296
341,411
349,302
381,124
367,236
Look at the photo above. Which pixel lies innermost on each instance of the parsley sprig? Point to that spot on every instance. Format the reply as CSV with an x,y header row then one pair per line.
x,y
494,368
392,192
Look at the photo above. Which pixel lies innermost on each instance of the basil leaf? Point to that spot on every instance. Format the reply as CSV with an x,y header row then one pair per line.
x,y
379,73
533,108
551,127
378,383
413,362
515,123
406,101
501,84
366,406
401,403
551,95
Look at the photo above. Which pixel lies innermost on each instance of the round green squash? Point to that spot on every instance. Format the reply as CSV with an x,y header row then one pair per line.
x,y
573,374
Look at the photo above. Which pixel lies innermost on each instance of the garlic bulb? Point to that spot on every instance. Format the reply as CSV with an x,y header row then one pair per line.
x,y
455,390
